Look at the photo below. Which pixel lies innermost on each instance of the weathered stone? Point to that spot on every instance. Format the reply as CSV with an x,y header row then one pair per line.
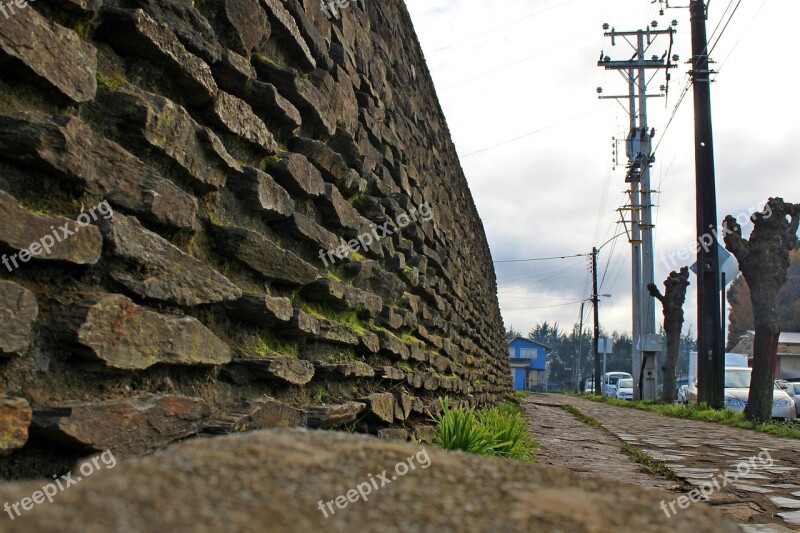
x,y
271,106
398,434
53,53
187,23
284,369
392,345
18,312
316,42
220,483
370,342
132,426
350,369
162,271
15,418
260,414
260,192
391,373
303,227
425,434
331,416
134,31
390,319
237,117
297,175
339,210
68,146
193,149
126,336
264,256
248,22
367,302
332,166
337,87
286,32
233,72
337,333
302,324
262,310
381,405
417,352
324,290
25,232
300,92
402,406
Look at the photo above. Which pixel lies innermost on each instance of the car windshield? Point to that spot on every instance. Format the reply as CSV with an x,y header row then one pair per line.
x,y
737,379
625,384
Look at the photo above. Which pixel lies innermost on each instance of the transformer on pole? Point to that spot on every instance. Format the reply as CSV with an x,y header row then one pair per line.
x,y
639,150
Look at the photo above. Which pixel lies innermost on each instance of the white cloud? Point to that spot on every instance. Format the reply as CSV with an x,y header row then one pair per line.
x,y
541,195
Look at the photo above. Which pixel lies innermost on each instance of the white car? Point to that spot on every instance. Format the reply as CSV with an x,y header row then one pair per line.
x,y
609,382
793,390
624,389
737,392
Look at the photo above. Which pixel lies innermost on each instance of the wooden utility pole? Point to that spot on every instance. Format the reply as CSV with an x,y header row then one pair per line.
x,y
710,349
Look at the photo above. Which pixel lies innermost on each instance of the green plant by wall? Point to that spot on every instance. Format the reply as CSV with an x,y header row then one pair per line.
x,y
265,345
497,431
347,318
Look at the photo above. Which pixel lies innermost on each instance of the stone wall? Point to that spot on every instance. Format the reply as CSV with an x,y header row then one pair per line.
x,y
172,175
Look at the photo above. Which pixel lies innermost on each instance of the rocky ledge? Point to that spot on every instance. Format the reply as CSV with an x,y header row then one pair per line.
x,y
275,480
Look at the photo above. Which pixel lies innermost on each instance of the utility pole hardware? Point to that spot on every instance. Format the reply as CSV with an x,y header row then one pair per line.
x,y
646,344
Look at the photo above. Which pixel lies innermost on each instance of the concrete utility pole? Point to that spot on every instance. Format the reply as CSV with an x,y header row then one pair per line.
x,y
640,158
710,347
595,300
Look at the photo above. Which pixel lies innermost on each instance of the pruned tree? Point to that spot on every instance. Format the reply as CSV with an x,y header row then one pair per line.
x,y
764,261
672,302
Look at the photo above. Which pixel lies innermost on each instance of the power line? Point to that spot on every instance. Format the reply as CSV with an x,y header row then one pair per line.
x,y
739,40
725,27
543,258
527,58
534,132
526,17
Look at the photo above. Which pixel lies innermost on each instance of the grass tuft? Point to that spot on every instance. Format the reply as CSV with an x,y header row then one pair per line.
x,y
702,411
499,431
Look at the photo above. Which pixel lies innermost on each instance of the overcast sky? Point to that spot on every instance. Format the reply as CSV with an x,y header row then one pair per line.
x,y
530,67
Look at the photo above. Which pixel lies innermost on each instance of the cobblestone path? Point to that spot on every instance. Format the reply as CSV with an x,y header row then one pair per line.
x,y
760,491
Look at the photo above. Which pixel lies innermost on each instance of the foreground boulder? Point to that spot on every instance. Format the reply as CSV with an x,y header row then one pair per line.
x,y
277,481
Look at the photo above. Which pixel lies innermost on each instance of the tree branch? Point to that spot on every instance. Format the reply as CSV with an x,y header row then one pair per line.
x,y
733,239
655,293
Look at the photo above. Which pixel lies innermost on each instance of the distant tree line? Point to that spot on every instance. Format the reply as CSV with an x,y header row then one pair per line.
x,y
741,312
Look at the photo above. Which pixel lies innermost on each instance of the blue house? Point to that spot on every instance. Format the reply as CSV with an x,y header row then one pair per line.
x,y
528,359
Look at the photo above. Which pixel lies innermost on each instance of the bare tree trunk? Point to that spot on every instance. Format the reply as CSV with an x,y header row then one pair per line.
x,y
764,261
672,302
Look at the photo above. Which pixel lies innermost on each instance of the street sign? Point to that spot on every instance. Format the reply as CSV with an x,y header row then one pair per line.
x,y
605,345
728,266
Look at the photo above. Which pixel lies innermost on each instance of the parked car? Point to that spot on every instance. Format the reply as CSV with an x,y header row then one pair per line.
x,y
589,387
609,382
793,390
624,389
737,391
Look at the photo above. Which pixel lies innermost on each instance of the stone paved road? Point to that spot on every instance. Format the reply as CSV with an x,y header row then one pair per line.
x,y
762,494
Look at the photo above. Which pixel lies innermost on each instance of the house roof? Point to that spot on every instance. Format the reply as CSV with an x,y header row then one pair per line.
x,y
787,337
543,345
